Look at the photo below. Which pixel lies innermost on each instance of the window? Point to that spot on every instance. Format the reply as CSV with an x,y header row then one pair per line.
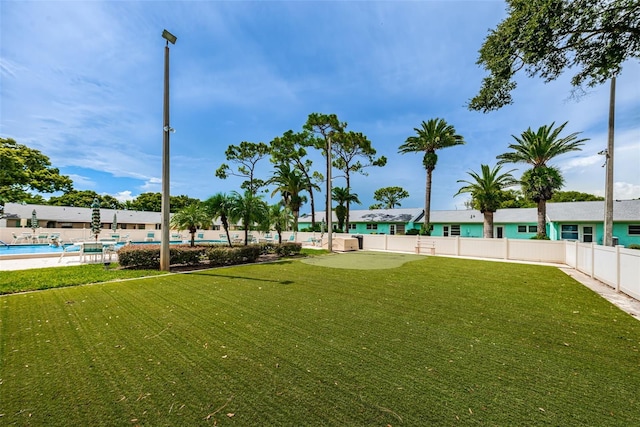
x,y
587,234
569,232
372,226
352,226
527,229
522,229
451,230
634,230
533,229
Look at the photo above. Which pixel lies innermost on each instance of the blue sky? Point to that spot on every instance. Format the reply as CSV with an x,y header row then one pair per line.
x,y
83,81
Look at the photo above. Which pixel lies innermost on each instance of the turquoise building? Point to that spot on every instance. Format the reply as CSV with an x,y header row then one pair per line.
x,y
574,221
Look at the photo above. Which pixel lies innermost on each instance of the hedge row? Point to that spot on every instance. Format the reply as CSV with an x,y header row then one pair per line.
x,y
148,256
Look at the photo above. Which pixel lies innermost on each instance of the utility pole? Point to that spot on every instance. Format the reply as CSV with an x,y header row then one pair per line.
x,y
608,195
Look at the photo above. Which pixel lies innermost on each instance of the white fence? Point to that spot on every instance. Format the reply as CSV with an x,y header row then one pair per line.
x,y
616,267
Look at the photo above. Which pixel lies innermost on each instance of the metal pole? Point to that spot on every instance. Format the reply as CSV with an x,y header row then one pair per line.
x,y
164,241
329,213
608,196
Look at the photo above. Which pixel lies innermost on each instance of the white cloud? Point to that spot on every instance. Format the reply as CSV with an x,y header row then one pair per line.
x,y
123,196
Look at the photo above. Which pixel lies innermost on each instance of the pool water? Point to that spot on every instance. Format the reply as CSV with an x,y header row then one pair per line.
x,y
39,249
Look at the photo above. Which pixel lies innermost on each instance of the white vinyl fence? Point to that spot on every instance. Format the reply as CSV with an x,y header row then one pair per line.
x,y
617,267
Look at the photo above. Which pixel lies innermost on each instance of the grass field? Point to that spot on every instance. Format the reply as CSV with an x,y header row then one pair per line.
x,y
435,341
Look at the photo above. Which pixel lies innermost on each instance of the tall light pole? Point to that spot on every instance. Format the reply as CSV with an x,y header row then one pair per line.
x,y
608,191
165,261
329,213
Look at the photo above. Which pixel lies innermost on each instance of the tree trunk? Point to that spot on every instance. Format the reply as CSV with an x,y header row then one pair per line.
x,y
313,208
346,220
488,225
542,217
427,203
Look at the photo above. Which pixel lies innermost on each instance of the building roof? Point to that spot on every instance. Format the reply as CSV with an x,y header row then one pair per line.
x,y
373,215
73,214
623,211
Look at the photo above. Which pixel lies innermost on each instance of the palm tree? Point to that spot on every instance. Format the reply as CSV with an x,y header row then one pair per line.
x,y
343,196
536,149
290,182
219,206
280,218
486,191
432,136
191,218
249,208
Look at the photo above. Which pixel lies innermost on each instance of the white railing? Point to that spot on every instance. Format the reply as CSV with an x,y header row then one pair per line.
x,y
616,267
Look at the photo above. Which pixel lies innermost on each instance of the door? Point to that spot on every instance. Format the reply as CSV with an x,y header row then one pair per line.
x,y
587,233
499,232
392,229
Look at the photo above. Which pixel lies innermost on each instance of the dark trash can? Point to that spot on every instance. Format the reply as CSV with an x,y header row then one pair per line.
x,y
359,237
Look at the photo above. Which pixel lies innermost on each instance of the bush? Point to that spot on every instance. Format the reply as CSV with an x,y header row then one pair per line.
x,y
148,256
540,237
633,246
219,256
412,232
288,249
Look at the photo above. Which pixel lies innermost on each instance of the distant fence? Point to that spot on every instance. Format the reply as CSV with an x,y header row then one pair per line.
x,y
617,267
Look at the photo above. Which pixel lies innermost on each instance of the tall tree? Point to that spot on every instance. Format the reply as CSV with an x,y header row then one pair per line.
x,y
325,127
249,208
486,190
343,196
573,196
220,206
536,149
291,147
290,182
24,169
389,197
246,156
433,135
349,148
546,37
191,217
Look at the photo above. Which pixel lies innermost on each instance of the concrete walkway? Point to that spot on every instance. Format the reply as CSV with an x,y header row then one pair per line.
x,y
623,301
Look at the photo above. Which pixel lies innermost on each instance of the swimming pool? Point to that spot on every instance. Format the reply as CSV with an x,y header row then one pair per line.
x,y
44,249
50,250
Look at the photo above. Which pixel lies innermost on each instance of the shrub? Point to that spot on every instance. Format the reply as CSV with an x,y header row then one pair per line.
x,y
288,249
412,232
237,255
540,237
140,256
633,246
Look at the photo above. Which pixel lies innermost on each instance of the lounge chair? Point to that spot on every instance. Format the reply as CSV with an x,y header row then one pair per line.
x,y
17,239
151,237
176,236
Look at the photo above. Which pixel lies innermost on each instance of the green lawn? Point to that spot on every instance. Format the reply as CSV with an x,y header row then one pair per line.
x,y
436,341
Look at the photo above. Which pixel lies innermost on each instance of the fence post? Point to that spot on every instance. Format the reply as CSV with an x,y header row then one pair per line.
x,y
593,256
457,245
617,268
506,248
